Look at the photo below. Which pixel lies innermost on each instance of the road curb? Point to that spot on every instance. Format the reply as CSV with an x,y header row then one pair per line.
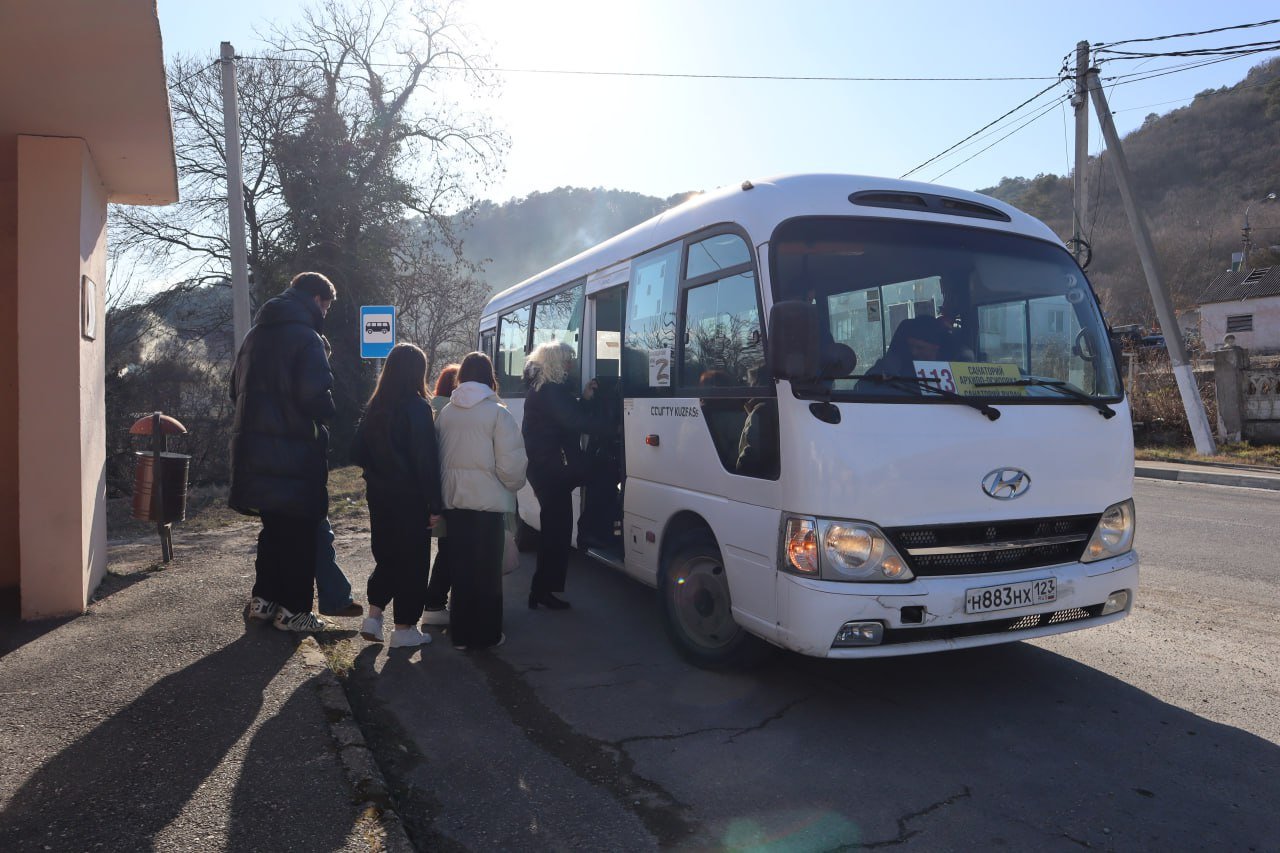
x,y
362,771
1213,478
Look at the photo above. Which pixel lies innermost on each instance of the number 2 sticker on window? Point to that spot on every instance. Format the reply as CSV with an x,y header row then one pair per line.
x,y
660,368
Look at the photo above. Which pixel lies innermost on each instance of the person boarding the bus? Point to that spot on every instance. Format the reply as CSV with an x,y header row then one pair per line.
x,y
554,422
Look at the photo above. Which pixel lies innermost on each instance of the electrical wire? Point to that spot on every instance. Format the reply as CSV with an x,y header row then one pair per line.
x,y
1189,35
1041,114
194,74
1165,73
1030,100
1225,50
673,75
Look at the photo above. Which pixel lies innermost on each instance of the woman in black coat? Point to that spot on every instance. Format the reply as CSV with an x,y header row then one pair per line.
x,y
554,421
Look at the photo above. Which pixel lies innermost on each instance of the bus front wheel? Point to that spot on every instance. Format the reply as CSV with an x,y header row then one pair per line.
x,y
698,611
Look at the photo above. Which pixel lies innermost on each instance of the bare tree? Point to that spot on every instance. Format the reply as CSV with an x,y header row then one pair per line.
x,y
347,128
439,299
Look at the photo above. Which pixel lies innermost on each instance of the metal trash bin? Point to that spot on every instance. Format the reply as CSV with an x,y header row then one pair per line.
x,y
160,478
169,503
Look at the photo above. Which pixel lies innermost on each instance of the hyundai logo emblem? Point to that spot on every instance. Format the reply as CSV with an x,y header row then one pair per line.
x,y
1005,484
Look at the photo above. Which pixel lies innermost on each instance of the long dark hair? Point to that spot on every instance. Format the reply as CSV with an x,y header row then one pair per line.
x,y
477,367
404,376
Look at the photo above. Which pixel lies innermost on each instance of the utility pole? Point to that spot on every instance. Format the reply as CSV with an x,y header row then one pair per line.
x,y
1182,370
235,199
1080,100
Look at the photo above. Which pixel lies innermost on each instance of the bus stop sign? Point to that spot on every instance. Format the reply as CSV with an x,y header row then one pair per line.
x,y
377,330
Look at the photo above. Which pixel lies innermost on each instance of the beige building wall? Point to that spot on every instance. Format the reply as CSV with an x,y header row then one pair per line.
x,y
9,574
61,236
1265,336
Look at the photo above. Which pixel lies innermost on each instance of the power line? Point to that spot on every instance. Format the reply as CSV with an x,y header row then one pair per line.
x,y
1041,114
1034,97
193,74
1165,73
1208,94
675,75
1224,50
1189,35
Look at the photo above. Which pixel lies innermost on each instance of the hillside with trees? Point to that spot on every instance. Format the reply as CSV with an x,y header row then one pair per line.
x,y
1195,171
522,237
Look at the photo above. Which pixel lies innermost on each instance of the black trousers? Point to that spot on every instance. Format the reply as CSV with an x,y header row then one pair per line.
x,y
286,561
555,497
441,579
475,554
401,543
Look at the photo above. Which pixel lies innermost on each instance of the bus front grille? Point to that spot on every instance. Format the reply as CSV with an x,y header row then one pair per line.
x,y
997,546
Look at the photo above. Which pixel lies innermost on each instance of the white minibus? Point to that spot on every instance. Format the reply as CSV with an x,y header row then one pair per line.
x,y
858,417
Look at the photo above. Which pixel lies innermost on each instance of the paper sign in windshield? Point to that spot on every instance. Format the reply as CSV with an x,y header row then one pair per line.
x,y
966,377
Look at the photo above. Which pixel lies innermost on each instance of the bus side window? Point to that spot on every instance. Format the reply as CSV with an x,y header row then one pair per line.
x,y
486,343
559,318
649,342
513,346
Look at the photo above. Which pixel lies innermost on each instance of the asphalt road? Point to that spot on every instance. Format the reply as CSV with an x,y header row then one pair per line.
x,y
587,731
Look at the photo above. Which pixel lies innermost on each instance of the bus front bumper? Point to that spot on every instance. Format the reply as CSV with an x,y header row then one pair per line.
x,y
928,614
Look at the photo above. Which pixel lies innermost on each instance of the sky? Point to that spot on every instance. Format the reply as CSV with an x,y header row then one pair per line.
x,y
662,136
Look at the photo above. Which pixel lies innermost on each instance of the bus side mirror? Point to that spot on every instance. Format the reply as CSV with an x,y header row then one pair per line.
x,y
795,342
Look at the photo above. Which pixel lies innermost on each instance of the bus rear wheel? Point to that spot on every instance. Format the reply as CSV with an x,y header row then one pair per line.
x,y
698,611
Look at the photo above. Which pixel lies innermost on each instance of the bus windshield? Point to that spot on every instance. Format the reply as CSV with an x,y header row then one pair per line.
x,y
982,313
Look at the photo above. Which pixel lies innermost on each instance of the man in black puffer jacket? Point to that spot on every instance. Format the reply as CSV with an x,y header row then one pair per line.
x,y
283,391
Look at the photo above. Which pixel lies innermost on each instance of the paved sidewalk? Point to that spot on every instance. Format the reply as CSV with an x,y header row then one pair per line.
x,y
159,720
1218,475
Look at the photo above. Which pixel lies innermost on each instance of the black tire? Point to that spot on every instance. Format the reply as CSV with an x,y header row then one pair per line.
x,y
526,537
697,610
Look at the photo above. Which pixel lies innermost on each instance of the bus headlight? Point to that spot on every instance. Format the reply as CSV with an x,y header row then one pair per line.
x,y
853,551
835,550
1114,534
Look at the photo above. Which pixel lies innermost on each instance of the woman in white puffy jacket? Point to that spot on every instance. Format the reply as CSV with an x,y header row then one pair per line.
x,y
482,463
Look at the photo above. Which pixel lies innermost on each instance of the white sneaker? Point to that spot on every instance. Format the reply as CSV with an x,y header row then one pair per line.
x,y
371,629
436,617
303,623
406,637
260,609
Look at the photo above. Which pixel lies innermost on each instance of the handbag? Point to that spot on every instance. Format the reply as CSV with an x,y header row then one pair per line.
x,y
510,555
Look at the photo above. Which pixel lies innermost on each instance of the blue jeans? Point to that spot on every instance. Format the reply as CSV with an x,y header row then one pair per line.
x,y
332,586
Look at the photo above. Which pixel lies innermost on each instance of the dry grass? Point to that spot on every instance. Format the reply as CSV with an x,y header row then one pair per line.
x,y
207,507
1267,455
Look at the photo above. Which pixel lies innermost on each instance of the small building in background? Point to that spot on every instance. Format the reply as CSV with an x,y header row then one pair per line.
x,y
84,121
1245,304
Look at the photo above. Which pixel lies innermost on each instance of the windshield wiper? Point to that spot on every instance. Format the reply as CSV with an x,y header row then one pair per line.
x,y
911,382
1065,388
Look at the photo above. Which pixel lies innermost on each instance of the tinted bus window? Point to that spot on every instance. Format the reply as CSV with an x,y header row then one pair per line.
x,y
651,323
559,318
513,342
716,253
722,340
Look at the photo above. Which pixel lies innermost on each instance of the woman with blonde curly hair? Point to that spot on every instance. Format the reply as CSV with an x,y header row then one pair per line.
x,y
554,421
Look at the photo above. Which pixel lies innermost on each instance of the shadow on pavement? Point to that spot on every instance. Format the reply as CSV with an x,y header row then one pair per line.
x,y
126,780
